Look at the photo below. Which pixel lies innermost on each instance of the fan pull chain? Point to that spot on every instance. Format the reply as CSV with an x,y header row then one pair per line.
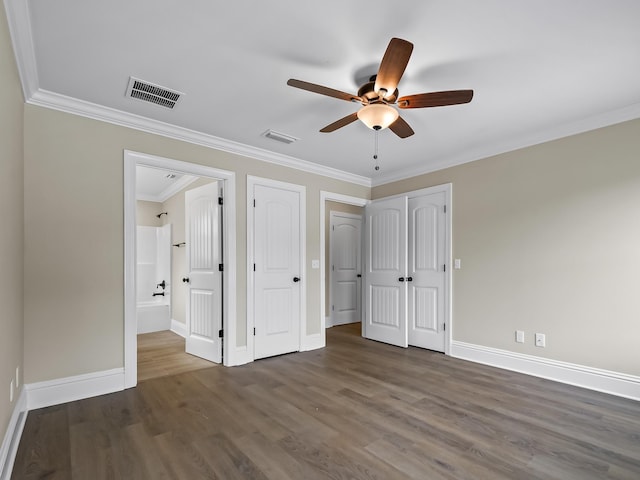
x,y
375,152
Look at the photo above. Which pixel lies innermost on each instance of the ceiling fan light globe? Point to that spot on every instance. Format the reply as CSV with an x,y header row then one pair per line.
x,y
377,115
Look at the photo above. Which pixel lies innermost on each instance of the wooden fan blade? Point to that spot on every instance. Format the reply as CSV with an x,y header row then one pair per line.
x,y
330,92
393,64
352,117
436,99
401,128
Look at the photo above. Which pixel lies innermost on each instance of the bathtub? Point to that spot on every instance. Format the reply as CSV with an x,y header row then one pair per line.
x,y
154,316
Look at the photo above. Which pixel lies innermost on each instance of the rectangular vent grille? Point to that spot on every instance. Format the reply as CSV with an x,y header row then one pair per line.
x,y
279,137
149,92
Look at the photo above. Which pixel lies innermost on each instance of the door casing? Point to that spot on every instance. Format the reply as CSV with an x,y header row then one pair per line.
x,y
233,355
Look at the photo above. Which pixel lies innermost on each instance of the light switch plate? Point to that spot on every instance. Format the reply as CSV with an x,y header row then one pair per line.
x,y
315,263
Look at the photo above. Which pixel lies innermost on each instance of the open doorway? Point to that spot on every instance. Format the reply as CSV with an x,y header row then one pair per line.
x,y
346,212
162,295
174,288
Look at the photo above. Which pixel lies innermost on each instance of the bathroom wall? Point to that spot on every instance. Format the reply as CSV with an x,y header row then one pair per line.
x,y
146,213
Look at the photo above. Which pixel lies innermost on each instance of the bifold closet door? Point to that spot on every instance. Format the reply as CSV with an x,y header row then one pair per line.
x,y
385,287
425,307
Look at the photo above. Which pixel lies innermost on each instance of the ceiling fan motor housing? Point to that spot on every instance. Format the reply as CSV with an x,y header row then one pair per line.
x,y
367,92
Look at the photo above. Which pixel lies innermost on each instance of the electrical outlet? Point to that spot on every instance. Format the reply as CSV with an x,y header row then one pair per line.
x,y
519,336
11,392
540,340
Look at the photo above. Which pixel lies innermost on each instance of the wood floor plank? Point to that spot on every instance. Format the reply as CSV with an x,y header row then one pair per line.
x,y
354,410
163,353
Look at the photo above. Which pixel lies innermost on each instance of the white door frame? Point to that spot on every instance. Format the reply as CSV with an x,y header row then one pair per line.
x,y
131,160
352,216
448,246
251,182
334,197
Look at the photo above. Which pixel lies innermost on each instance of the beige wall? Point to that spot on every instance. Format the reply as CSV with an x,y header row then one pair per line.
x,y
74,233
549,239
329,207
11,233
146,213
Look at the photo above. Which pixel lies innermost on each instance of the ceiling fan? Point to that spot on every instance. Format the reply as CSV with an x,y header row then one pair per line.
x,y
379,94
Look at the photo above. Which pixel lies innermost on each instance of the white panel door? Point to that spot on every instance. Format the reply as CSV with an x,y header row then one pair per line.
x,y
386,264
426,275
345,267
277,278
204,256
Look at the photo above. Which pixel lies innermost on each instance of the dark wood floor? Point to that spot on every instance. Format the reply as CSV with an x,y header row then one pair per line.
x,y
354,410
162,353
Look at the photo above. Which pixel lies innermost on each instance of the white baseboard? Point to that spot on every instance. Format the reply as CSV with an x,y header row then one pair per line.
x,y
12,436
62,390
178,328
614,383
312,342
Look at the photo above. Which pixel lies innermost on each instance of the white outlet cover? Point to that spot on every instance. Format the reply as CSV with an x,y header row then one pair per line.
x,y
315,263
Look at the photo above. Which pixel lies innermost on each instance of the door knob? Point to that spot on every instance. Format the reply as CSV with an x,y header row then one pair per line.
x,y
409,279
185,279
296,279
359,276
401,279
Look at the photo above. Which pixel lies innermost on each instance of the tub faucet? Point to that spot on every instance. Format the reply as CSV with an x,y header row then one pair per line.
x,y
162,284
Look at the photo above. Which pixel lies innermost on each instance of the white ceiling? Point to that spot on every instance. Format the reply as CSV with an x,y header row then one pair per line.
x,y
157,185
540,70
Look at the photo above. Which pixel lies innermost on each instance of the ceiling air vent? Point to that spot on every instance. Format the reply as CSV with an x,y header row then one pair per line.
x,y
149,92
279,137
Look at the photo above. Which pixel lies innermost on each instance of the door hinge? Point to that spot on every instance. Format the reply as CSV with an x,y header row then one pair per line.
x,y
254,331
444,208
220,333
220,201
254,203
444,327
444,268
254,267
221,267
333,307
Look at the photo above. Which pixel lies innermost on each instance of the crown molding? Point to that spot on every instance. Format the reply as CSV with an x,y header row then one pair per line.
x,y
582,125
19,22
55,101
